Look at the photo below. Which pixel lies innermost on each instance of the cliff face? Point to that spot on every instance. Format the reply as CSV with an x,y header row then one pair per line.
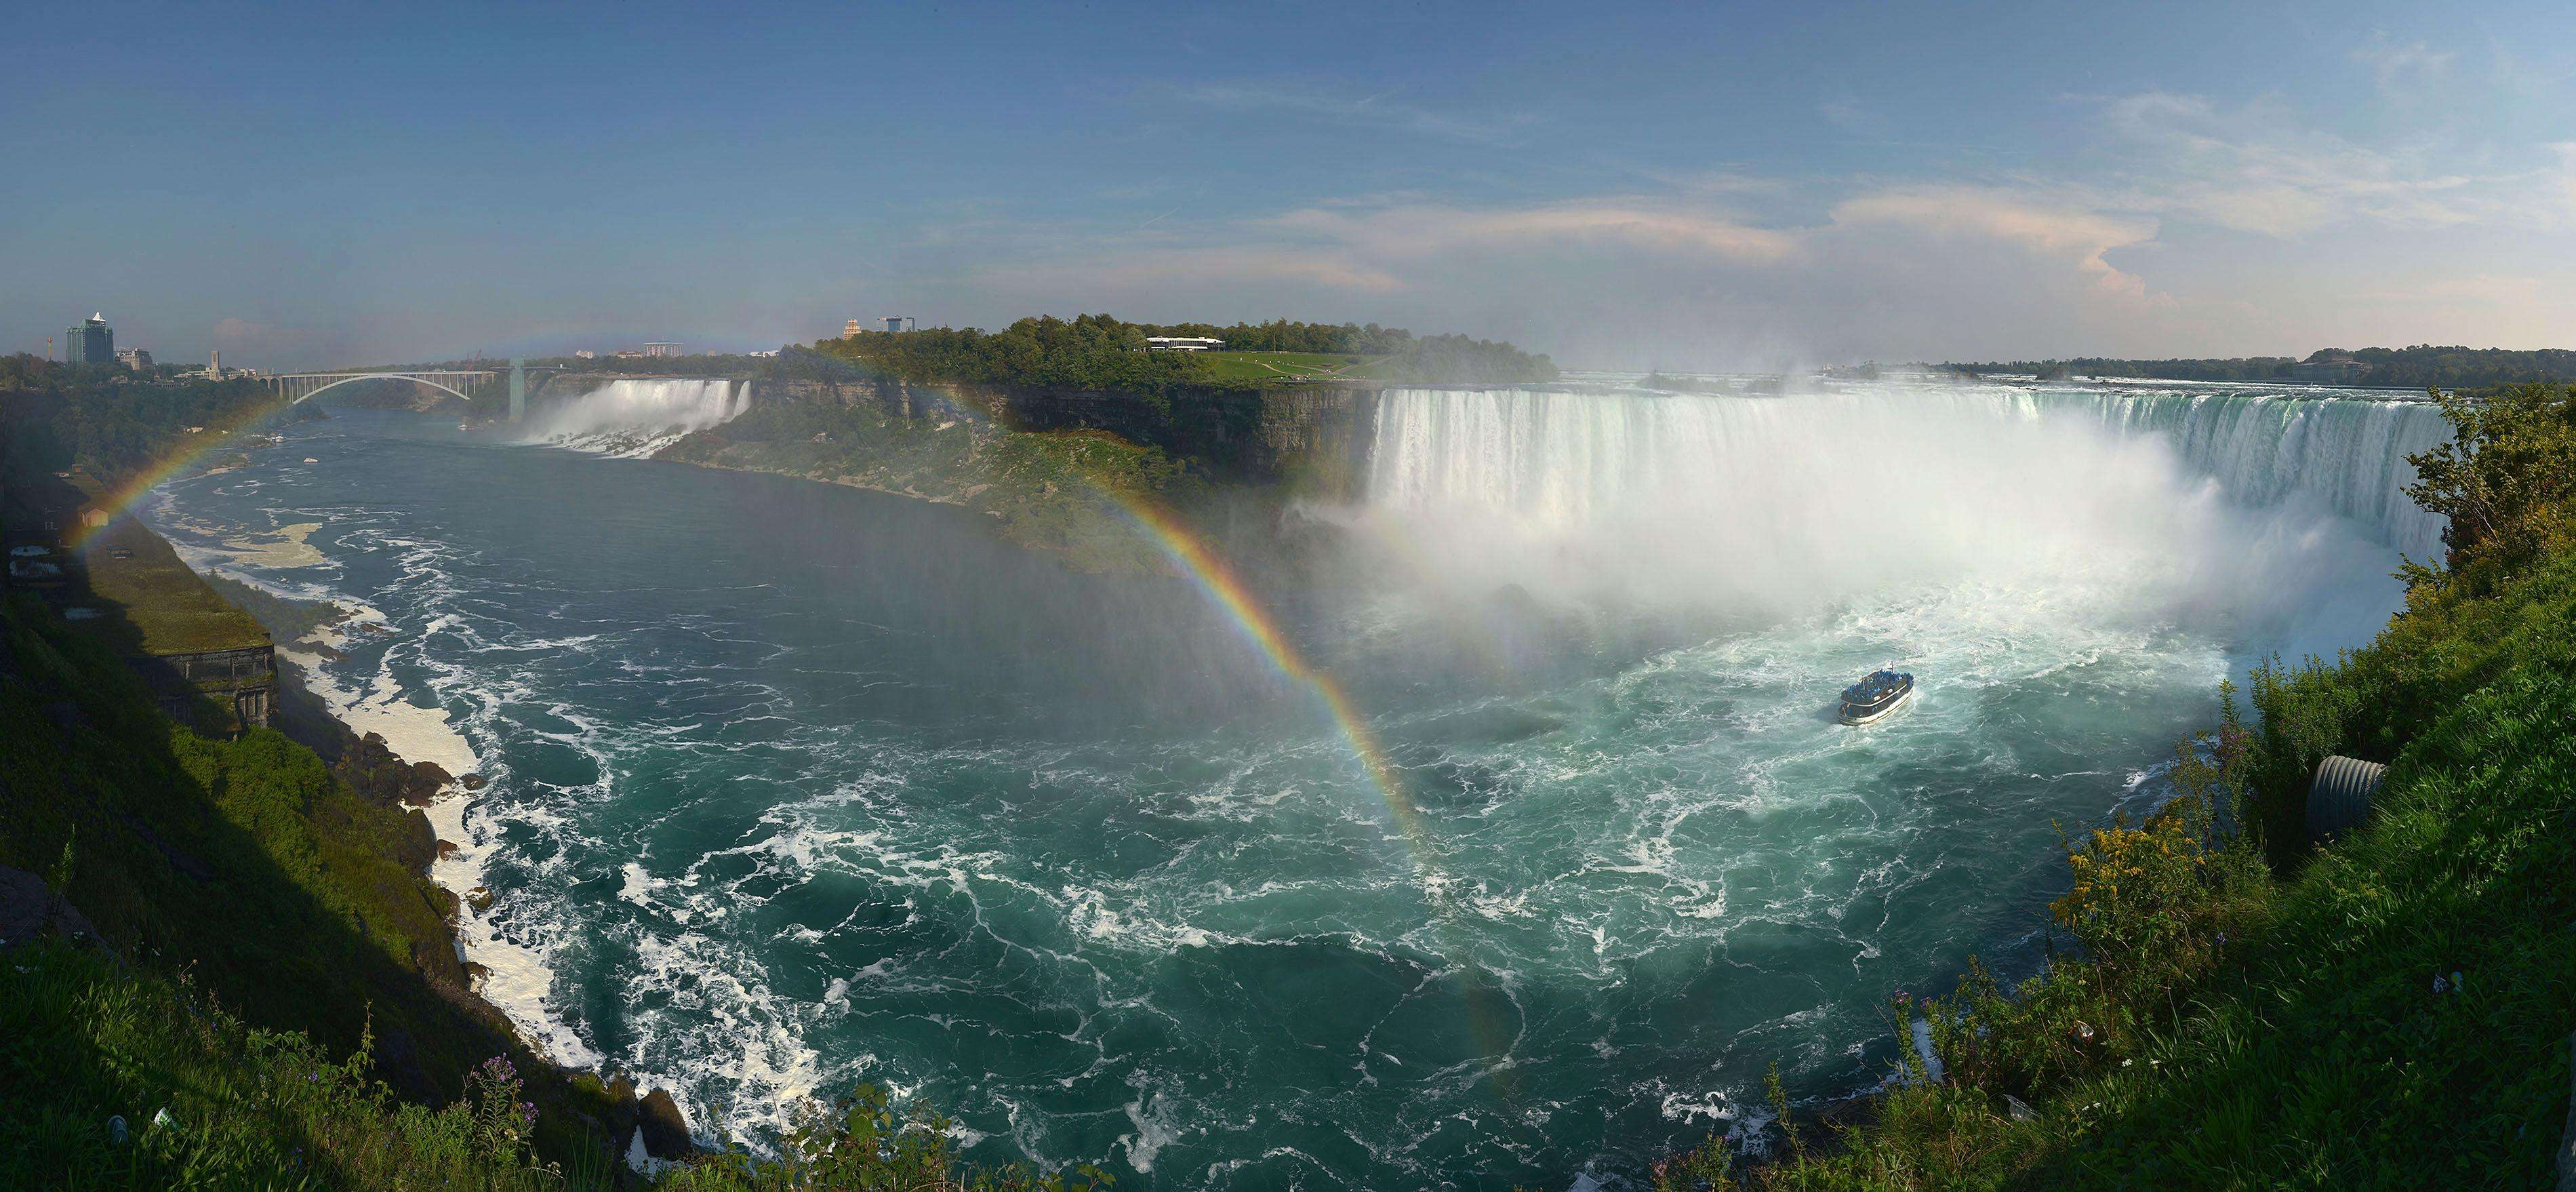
x,y
1312,438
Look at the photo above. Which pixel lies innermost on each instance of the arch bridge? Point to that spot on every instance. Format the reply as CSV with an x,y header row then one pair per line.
x,y
297,387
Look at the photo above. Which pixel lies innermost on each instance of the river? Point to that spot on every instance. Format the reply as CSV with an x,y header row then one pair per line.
x,y
792,786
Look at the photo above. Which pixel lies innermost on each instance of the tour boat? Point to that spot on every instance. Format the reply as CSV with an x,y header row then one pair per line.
x,y
1875,696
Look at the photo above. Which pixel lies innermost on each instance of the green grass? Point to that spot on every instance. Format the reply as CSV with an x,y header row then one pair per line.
x,y
2265,1015
1040,489
248,864
1236,367
172,610
247,1108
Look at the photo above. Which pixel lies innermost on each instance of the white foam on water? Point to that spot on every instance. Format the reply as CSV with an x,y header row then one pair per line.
x,y
635,419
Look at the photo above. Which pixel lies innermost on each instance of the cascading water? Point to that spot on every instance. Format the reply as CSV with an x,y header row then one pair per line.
x,y
867,795
635,418
2277,510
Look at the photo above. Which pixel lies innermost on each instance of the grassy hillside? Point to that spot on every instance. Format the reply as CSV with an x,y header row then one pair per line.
x,y
2392,1011
260,956
1042,489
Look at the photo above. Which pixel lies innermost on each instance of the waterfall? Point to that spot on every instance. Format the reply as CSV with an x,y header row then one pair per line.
x,y
1572,457
2258,504
635,418
2348,454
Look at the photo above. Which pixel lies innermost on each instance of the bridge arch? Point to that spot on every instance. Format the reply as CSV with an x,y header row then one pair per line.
x,y
319,390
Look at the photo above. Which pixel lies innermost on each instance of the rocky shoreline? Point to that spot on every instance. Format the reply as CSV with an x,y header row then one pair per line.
x,y
643,1129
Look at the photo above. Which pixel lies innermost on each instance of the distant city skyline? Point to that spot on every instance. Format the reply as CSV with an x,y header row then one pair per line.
x,y
1739,186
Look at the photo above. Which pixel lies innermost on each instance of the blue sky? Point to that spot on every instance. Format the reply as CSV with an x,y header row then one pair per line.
x,y
1666,186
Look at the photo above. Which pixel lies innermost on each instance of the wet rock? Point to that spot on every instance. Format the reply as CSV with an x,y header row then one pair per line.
x,y
471,782
666,1132
446,849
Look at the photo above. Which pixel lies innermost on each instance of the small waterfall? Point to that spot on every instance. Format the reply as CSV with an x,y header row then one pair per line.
x,y
633,419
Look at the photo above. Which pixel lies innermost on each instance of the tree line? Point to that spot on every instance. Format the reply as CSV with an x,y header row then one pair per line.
x,y
1104,352
106,419
2419,367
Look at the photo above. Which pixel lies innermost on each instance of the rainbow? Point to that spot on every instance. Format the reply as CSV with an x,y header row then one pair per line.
x,y
1206,569
121,499
1209,571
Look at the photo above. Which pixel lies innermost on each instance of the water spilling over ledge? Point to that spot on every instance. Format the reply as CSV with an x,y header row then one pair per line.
x,y
633,419
794,786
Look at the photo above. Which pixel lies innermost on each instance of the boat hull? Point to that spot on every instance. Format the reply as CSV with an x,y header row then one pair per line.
x,y
1851,713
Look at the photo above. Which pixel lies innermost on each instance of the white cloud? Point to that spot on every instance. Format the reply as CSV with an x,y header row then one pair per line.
x,y
2404,68
2254,169
2052,229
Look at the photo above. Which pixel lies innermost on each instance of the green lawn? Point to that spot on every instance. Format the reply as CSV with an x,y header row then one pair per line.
x,y
173,611
1277,366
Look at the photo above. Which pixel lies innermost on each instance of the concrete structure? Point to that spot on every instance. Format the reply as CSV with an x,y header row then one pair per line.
x,y
518,389
900,323
1181,343
851,329
90,341
662,348
585,354
134,358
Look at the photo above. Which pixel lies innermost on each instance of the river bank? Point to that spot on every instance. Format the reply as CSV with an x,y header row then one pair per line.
x,y
398,756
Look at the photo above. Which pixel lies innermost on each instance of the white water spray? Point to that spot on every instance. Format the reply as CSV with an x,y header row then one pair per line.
x,y
632,419
2271,511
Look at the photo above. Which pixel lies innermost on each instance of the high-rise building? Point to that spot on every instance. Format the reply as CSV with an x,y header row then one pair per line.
x,y
90,342
662,348
134,358
852,329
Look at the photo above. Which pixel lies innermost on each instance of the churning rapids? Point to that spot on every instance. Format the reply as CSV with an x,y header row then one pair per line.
x,y
794,786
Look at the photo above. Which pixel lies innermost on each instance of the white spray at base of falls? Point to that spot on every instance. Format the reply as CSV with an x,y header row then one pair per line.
x,y
633,419
2270,510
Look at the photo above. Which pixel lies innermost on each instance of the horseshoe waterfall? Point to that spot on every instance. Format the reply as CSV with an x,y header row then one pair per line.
x,y
789,786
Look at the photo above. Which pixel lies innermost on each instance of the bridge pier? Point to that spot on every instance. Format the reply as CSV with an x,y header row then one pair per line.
x,y
518,389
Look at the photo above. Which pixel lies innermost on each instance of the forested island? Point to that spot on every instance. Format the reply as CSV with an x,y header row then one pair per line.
x,y
1103,352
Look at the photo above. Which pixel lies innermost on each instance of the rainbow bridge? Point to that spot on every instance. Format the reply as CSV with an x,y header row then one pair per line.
x,y
298,387
301,386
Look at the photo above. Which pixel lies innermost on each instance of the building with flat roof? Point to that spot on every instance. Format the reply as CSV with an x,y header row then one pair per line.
x,y
90,342
134,358
662,348
1182,343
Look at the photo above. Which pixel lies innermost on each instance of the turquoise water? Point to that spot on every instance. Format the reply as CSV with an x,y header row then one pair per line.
x,y
794,786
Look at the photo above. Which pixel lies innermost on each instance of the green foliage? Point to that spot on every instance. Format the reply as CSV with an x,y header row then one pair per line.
x,y
2506,480
1098,352
108,420
1051,490
2391,1012
1088,352
247,1108
862,1143
2417,367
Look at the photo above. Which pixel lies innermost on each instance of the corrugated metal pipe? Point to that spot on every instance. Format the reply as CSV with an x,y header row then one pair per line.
x,y
2339,796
